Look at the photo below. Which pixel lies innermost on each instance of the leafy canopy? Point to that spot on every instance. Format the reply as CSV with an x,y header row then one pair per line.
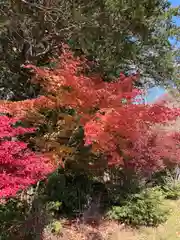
x,y
115,35
121,133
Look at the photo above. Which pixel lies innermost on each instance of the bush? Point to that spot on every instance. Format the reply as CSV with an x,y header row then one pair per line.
x,y
67,193
56,227
169,182
171,188
144,208
12,215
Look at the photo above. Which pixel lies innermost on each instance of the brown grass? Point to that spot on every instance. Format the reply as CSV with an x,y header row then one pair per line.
x,y
111,230
108,230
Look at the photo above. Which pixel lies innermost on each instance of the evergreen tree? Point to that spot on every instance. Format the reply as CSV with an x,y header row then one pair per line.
x,y
116,34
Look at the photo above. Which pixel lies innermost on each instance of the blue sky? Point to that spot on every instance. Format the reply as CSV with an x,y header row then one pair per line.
x,y
155,92
175,3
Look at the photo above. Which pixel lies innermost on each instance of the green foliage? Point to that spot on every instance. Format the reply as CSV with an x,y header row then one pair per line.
x,y
171,186
54,206
124,183
114,34
12,214
144,208
169,182
172,190
56,227
67,194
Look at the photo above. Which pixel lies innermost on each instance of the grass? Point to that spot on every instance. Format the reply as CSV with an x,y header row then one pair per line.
x,y
170,230
110,230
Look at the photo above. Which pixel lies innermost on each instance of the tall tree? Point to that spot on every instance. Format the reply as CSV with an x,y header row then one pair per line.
x,y
115,34
87,124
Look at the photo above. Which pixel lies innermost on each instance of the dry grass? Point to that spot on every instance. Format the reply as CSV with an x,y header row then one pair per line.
x,y
110,230
168,231
107,230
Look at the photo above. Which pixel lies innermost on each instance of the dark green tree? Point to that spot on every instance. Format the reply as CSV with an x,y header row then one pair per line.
x,y
118,35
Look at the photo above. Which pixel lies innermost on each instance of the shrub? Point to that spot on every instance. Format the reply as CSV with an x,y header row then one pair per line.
x,y
172,190
53,206
171,186
56,227
144,208
12,214
67,194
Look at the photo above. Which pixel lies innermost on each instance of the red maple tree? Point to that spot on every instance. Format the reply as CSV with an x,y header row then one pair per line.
x,y
19,166
113,125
